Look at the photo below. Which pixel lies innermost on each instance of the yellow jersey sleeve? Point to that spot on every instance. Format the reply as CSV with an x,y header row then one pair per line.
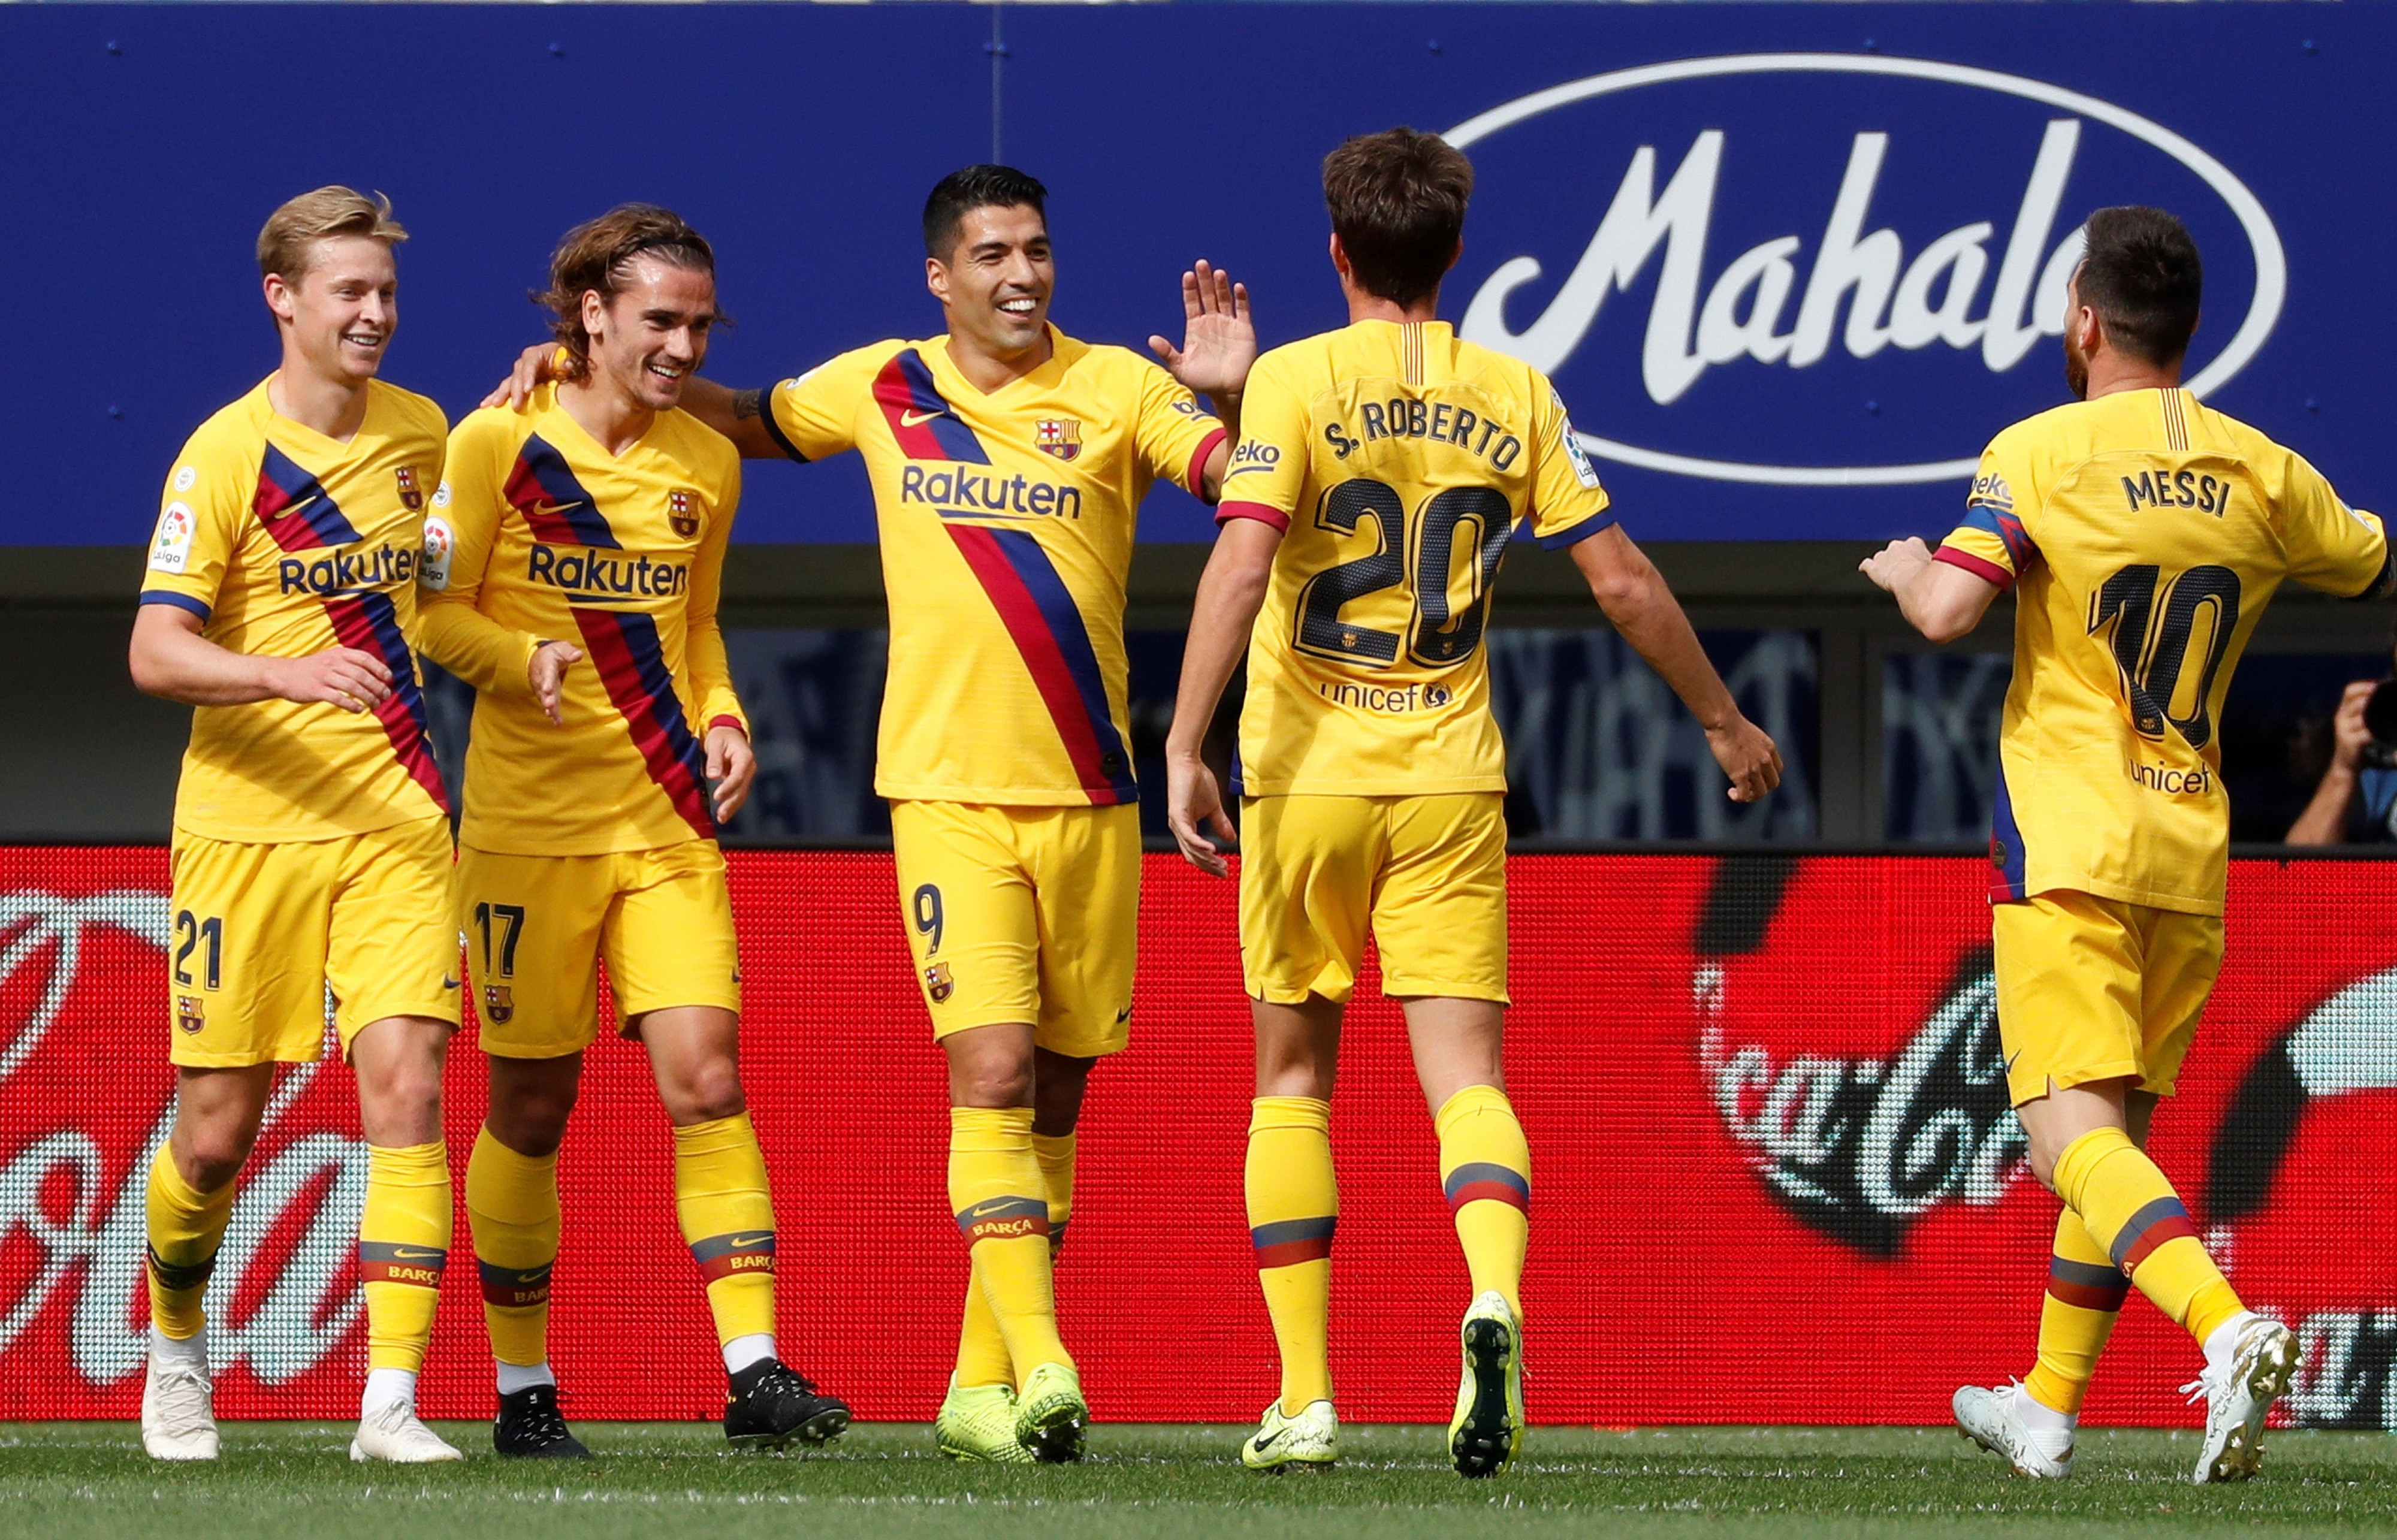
x,y
1568,503
1175,433
2331,546
459,534
200,520
711,666
1268,469
1994,542
816,414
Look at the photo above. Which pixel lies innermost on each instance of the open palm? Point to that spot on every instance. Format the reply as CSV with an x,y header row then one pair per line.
x,y
1219,342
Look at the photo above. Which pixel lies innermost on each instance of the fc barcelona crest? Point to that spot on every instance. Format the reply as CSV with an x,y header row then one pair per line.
x,y
1059,436
409,494
499,1003
682,512
188,1014
938,983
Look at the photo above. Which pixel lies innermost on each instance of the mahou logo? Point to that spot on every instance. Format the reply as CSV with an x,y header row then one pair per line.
x,y
1805,268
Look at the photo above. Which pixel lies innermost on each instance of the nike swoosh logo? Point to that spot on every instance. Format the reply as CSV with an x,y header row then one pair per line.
x,y
409,1253
918,419
739,1242
448,984
553,510
1261,1445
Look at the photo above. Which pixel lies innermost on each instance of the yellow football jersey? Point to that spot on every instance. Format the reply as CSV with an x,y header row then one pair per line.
x,y
2145,534
1007,528
285,543
1400,460
539,534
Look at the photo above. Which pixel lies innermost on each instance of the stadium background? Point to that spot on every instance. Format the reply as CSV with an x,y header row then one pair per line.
x,y
1792,1049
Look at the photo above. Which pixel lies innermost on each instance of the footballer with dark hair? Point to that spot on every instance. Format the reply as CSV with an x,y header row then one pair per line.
x,y
1382,470
1009,462
2143,533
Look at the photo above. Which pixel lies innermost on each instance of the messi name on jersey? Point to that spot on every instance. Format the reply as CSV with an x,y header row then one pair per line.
x,y
346,573
586,574
961,492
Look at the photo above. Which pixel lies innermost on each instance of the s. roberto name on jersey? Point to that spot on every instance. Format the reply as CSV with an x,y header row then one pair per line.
x,y
1846,260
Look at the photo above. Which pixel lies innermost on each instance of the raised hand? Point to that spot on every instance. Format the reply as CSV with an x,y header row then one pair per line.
x,y
1219,340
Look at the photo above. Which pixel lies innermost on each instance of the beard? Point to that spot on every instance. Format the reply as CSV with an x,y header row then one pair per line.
x,y
2076,370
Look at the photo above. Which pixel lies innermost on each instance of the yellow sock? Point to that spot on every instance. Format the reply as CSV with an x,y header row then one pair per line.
x,y
1486,1170
403,1245
1055,1154
996,1191
2132,1210
981,1350
728,1217
512,1214
186,1226
2084,1296
1293,1206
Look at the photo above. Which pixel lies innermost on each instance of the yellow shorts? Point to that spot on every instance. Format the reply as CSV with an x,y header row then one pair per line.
x,y
1427,875
2094,989
261,931
537,926
1022,915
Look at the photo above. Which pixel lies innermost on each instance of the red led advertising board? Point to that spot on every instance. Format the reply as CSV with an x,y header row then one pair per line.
x,y
1773,1165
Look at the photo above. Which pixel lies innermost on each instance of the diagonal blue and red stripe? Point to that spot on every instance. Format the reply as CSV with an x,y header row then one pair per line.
x,y
632,663
1039,613
919,416
298,513
1477,1180
542,487
370,623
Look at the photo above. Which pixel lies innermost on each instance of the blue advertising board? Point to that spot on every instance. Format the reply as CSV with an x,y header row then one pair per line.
x,y
1789,265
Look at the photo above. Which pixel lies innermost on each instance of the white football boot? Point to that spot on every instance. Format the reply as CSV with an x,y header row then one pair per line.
x,y
1308,1441
179,1419
1487,1432
392,1432
1994,1419
2250,1361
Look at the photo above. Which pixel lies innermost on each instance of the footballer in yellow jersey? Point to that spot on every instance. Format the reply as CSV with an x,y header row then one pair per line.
x,y
2142,533
1007,521
541,534
1009,462
311,852
577,554
1381,470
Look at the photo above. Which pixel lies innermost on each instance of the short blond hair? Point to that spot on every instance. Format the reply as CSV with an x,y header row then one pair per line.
x,y
289,243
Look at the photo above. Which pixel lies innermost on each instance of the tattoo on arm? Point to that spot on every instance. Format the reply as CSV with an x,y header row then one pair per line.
x,y
747,404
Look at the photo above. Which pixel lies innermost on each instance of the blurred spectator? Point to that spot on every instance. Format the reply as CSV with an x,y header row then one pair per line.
x,y
2356,802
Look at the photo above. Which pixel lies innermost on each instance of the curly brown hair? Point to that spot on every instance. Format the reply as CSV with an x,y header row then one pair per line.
x,y
596,256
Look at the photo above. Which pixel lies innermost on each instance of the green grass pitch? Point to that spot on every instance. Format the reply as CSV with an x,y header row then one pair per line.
x,y
295,1480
